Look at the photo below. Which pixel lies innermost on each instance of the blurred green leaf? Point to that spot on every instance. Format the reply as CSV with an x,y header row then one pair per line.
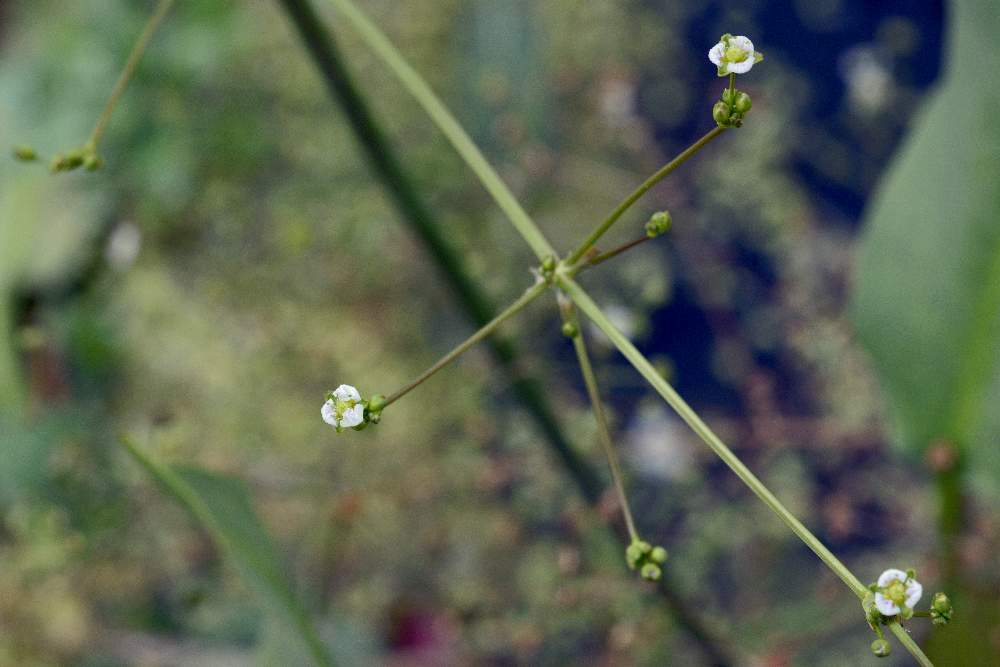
x,y
222,505
927,303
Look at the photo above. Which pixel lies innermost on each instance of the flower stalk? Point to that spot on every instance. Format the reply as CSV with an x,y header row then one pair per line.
x,y
529,295
637,194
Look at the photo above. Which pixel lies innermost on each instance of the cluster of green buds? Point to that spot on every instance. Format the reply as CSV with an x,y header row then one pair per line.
x,y
548,268
86,156
641,555
344,408
658,224
729,111
893,597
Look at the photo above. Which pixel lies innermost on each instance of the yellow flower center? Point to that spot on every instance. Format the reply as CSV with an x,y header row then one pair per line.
x,y
340,407
895,591
735,54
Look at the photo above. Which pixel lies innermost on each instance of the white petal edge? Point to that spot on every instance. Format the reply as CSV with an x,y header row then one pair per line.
x,y
743,67
914,591
885,606
743,43
892,574
715,53
329,412
353,416
346,392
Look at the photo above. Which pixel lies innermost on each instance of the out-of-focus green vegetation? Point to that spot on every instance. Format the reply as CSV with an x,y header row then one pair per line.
x,y
270,268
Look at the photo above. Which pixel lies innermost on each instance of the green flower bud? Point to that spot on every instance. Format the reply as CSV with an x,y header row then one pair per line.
x,y
633,554
742,102
549,264
68,161
570,330
376,403
651,572
658,224
25,154
881,648
727,95
941,609
92,162
720,112
905,613
658,555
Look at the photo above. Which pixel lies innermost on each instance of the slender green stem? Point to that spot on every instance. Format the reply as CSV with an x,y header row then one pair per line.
x,y
626,203
155,19
732,85
605,256
603,432
662,387
530,295
907,641
459,139
645,368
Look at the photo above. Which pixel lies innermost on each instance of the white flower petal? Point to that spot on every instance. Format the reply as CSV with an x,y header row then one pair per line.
x,y
353,416
742,42
715,54
329,412
913,593
885,606
346,392
742,67
890,575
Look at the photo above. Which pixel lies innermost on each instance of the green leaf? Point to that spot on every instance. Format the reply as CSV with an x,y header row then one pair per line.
x,y
927,301
222,505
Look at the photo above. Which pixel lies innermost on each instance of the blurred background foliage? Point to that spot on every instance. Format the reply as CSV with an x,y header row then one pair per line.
x,y
236,258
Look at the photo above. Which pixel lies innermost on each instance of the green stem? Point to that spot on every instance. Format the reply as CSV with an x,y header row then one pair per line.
x,y
662,387
159,13
907,641
732,85
645,368
614,252
425,97
530,295
626,203
603,432
422,222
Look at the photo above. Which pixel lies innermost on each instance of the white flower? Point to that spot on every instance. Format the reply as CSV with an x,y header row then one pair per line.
x,y
896,590
734,55
343,408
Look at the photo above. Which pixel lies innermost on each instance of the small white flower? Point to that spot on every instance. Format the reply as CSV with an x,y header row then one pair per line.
x,y
734,55
896,590
344,408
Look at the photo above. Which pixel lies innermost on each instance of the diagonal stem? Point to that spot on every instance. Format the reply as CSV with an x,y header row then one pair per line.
x,y
530,295
603,432
416,215
584,302
626,203
425,97
662,387
609,254
155,19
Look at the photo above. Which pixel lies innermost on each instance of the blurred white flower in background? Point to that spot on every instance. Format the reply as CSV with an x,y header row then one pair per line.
x,y
869,83
123,246
658,444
